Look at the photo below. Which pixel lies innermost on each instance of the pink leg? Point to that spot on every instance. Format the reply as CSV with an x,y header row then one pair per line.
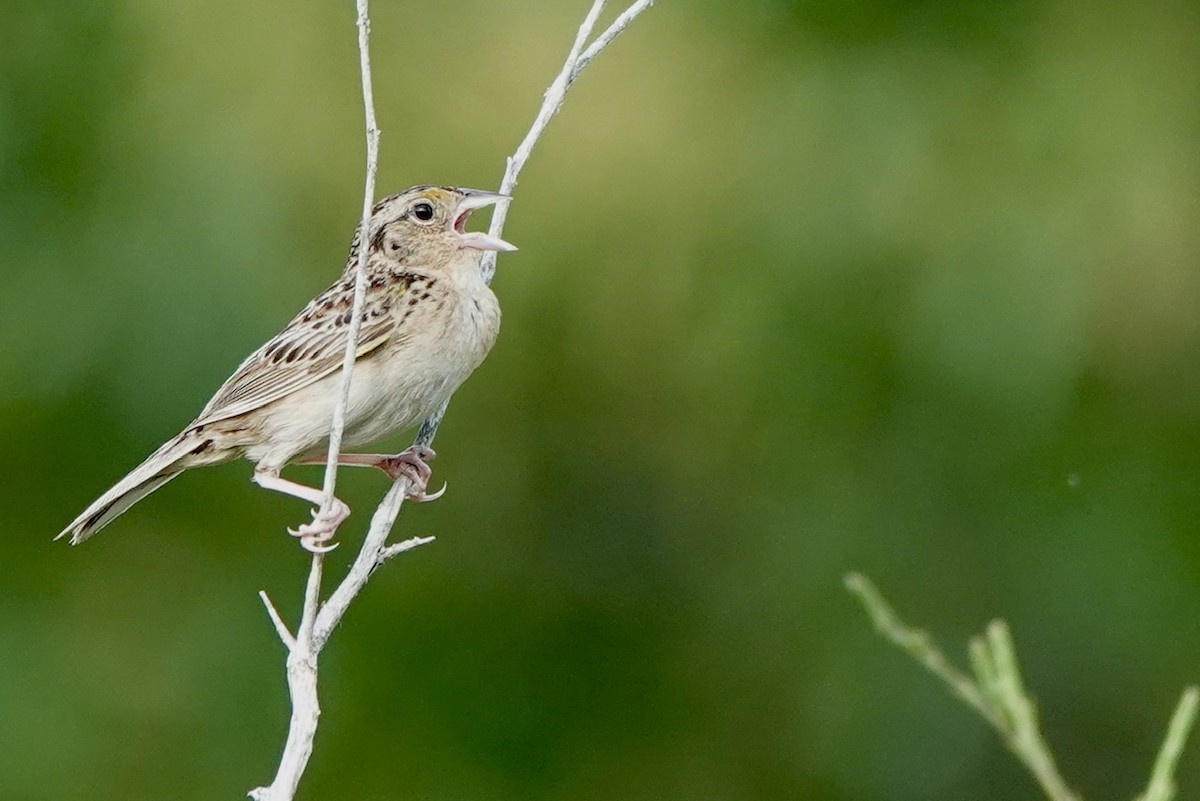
x,y
314,535
410,464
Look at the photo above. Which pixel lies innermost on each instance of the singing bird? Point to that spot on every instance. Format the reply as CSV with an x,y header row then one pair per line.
x,y
427,322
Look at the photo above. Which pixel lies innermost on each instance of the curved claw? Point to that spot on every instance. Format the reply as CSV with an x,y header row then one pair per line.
x,y
312,545
420,496
314,535
298,531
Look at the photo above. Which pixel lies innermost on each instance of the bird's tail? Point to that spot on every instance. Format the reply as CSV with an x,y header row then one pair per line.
x,y
159,468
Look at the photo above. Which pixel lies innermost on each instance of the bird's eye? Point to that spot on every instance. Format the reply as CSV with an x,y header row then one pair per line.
x,y
423,212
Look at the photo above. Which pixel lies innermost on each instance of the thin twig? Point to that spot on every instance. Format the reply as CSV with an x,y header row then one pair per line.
x,y
578,58
1021,731
918,644
281,628
552,102
1162,782
302,656
364,564
360,268
603,40
397,548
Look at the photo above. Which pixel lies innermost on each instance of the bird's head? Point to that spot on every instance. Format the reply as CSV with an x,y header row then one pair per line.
x,y
425,227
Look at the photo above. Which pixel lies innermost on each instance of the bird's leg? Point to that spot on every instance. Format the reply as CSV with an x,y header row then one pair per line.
x,y
314,535
410,464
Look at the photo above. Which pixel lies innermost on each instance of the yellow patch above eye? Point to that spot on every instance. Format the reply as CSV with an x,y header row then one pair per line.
x,y
438,197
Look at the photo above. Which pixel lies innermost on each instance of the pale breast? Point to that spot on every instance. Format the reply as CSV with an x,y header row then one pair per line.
x,y
443,330
448,332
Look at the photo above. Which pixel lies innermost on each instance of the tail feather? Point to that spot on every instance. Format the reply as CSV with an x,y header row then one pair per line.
x,y
159,468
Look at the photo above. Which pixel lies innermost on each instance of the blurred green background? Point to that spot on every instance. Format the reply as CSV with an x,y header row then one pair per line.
x,y
904,287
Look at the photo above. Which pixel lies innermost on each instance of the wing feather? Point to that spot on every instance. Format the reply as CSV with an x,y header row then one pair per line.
x,y
311,347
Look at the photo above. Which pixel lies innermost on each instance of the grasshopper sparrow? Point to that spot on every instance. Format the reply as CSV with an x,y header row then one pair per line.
x,y
427,322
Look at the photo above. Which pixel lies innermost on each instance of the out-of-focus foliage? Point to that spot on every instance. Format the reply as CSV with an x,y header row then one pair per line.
x,y
904,287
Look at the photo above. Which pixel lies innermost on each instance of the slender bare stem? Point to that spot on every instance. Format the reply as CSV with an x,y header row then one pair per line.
x,y
319,620
302,656
603,40
552,101
360,269
281,628
579,57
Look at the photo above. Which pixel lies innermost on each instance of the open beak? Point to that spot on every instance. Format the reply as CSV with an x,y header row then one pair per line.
x,y
478,240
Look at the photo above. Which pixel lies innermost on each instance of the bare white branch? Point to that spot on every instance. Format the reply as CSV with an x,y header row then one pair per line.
x,y
302,656
552,101
319,620
370,556
364,238
612,32
302,729
398,548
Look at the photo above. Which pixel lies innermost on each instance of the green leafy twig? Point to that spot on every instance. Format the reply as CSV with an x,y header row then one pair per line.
x,y
1162,781
997,693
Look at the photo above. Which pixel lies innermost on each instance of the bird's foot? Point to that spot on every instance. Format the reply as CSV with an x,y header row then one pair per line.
x,y
314,536
411,464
